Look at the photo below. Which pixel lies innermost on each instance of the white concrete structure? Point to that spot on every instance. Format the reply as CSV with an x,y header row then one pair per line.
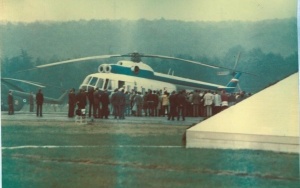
x,y
269,120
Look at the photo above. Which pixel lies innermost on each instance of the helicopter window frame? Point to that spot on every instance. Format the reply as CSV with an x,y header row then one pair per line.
x,y
108,84
93,81
100,83
96,82
87,80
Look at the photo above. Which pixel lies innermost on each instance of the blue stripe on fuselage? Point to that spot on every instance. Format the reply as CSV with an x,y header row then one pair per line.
x,y
150,75
127,71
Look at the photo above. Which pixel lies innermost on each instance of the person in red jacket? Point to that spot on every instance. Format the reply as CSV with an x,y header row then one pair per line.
x,y
39,97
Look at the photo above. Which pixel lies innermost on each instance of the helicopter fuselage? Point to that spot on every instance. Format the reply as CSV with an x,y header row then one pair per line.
x,y
141,77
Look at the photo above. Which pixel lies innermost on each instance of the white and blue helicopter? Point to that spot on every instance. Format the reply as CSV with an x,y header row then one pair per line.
x,y
135,75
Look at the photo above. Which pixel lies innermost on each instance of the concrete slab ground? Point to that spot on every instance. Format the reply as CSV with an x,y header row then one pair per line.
x,y
268,120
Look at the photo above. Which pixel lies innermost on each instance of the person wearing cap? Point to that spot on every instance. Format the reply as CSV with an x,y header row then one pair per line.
x,y
10,101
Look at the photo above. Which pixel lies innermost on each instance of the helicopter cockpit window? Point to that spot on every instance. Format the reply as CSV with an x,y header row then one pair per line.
x,y
93,81
87,80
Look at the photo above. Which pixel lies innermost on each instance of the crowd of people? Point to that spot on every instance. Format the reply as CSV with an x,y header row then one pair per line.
x,y
174,105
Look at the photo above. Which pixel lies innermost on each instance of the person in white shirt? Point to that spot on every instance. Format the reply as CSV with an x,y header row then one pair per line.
x,y
217,103
208,102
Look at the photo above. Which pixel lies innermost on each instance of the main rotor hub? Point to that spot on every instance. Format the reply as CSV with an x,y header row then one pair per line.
x,y
135,57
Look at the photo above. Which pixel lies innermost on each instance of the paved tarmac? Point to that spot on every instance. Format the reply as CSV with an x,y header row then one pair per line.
x,y
62,117
52,151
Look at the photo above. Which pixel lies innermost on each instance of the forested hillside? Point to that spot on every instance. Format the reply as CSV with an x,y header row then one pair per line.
x,y
268,48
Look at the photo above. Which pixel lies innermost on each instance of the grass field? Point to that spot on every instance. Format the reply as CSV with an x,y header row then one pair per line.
x,y
105,154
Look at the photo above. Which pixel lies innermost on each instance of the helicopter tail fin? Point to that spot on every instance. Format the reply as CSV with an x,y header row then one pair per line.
x,y
233,83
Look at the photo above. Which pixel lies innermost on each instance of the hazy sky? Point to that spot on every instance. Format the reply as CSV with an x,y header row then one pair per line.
x,y
188,10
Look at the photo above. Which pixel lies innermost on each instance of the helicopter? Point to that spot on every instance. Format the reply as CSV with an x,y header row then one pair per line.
x,y
135,75
20,96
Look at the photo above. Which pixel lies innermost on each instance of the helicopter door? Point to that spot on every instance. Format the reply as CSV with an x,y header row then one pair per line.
x,y
121,83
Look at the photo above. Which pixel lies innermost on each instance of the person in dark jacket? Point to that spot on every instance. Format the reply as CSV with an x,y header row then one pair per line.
x,y
96,103
173,106
90,96
72,103
10,102
114,103
181,102
39,97
122,102
105,102
81,99
155,103
150,101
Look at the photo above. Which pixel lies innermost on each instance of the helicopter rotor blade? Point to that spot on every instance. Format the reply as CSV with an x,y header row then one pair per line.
x,y
237,60
194,62
179,59
78,60
38,84
24,70
135,57
25,81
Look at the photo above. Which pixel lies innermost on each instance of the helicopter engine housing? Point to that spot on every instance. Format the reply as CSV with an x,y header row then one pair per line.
x,y
104,68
